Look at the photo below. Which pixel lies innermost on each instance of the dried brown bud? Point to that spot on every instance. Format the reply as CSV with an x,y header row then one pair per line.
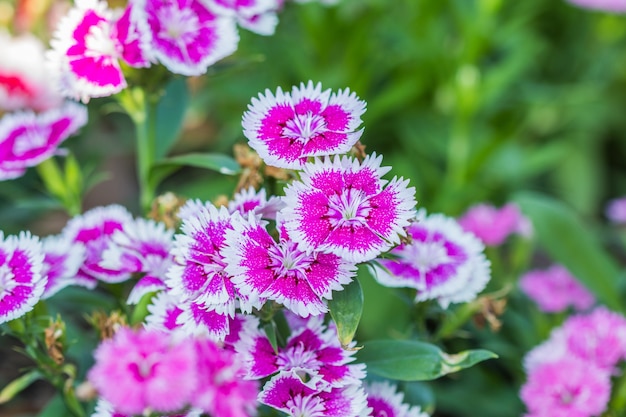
x,y
358,150
165,208
107,325
490,311
54,336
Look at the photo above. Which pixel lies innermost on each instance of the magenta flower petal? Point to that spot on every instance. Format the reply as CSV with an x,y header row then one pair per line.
x,y
85,52
200,319
27,139
258,16
285,129
21,280
341,207
442,262
385,401
492,225
186,36
146,285
133,37
62,260
163,313
250,201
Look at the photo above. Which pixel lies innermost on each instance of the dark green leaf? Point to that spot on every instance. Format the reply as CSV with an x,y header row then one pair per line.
x,y
270,332
346,308
409,360
170,115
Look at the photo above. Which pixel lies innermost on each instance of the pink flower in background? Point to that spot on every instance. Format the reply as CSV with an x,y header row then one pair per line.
x,y
221,389
616,6
598,337
94,229
286,129
443,262
493,225
313,352
85,52
137,370
343,207
385,401
264,269
185,36
105,409
568,387
142,246
24,82
21,279
61,262
555,289
616,210
286,392
246,201
27,139
258,16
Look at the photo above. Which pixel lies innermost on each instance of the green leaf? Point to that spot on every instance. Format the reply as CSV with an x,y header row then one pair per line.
x,y
73,175
270,332
563,235
223,164
410,360
170,115
18,385
346,308
55,408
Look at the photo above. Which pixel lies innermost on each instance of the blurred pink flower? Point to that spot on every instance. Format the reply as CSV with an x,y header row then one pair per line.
x,y
616,210
555,289
568,387
258,16
616,6
137,370
493,225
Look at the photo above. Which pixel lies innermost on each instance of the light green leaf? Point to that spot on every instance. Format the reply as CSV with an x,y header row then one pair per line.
x,y
563,235
410,360
346,308
18,385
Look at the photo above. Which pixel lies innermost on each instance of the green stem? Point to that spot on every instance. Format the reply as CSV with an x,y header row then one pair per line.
x,y
56,184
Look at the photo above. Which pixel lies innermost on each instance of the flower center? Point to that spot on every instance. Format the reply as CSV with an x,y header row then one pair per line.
x,y
303,127
287,260
351,207
301,406
425,256
178,24
298,357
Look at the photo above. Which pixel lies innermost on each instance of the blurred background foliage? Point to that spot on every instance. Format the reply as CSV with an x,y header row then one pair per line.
x,y
473,100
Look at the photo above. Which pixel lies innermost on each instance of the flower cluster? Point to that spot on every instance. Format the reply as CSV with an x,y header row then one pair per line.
x,y
555,289
570,373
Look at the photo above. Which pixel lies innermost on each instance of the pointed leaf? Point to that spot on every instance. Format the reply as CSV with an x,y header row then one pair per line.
x,y
346,308
270,332
18,385
567,240
170,115
410,360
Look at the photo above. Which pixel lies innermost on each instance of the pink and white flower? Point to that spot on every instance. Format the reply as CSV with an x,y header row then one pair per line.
x,y
94,229
142,246
286,392
198,319
615,6
21,280
492,225
85,52
105,409
133,36
285,129
137,370
27,138
251,201
343,207
311,352
385,401
24,82
442,262
568,387
163,313
258,16
263,269
555,289
185,36
62,260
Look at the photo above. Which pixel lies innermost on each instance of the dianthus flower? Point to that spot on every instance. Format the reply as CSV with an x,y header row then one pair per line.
x,y
286,129
258,16
250,201
263,269
598,337
142,246
186,37
385,401
62,259
493,225
616,210
21,280
221,389
343,207
24,82
555,289
163,312
312,352
286,392
94,230
442,261
568,387
136,370
87,48
615,6
27,138
199,319
105,409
